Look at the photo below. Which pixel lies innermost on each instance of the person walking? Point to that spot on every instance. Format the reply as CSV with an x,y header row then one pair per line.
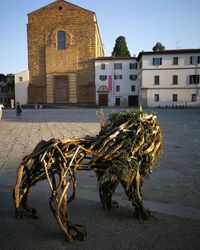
x,y
1,106
18,110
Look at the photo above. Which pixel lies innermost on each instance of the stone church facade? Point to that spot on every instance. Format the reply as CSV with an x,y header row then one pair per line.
x,y
63,42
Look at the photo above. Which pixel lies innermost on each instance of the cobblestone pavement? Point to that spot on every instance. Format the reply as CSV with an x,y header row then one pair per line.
x,y
172,191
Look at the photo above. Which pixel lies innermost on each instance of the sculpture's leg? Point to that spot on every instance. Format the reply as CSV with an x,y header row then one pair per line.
x,y
16,193
58,204
20,194
105,192
29,211
136,198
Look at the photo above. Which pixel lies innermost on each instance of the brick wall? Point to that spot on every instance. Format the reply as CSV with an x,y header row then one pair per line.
x,y
83,44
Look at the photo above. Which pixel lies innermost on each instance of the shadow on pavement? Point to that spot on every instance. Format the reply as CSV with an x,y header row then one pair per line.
x,y
115,229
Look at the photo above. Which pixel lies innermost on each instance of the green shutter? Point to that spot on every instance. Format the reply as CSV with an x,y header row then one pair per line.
x,y
191,79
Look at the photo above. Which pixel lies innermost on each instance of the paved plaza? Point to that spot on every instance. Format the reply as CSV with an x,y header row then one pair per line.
x,y
172,192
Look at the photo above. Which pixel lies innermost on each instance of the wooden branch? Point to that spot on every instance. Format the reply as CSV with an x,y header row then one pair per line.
x,y
125,150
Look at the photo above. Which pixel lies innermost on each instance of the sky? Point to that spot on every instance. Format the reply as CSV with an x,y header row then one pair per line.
x,y
174,23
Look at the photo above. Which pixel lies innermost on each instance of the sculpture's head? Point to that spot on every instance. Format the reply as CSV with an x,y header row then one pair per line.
x,y
134,139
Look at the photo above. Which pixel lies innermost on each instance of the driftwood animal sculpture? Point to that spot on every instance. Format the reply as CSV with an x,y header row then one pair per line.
x,y
125,151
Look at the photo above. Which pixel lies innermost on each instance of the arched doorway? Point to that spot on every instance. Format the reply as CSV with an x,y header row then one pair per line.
x,y
103,96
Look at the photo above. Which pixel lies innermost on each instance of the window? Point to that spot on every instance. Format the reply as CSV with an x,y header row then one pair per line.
x,y
117,101
175,80
103,77
156,80
61,40
103,66
133,66
117,65
132,88
20,79
175,60
175,97
133,77
117,88
157,61
194,59
156,97
118,77
194,98
194,79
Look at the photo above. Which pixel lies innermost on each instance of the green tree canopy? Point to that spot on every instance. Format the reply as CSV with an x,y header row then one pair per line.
x,y
158,47
10,79
121,49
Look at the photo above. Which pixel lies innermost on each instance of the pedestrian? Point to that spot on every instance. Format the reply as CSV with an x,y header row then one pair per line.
x,y
1,107
18,110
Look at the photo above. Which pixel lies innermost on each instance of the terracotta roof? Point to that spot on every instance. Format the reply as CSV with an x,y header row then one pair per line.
x,y
172,51
111,58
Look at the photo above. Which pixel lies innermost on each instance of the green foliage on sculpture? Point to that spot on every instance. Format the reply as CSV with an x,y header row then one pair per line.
x,y
134,143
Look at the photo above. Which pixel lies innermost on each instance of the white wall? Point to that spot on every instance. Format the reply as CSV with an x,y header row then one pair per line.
x,y
21,87
166,78
165,97
125,83
167,62
166,88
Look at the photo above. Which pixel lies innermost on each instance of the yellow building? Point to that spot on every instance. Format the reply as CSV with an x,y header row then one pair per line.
x,y
63,41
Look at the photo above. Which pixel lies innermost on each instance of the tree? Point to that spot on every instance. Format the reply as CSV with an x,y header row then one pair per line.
x,y
121,49
158,47
10,79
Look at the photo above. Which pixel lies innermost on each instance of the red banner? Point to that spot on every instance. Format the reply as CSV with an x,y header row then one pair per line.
x,y
110,83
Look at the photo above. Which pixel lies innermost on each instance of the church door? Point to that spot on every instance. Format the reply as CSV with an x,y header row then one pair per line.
x,y
61,89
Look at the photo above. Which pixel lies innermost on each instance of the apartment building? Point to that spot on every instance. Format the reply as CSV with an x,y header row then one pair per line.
x,y
116,81
6,89
3,89
168,78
